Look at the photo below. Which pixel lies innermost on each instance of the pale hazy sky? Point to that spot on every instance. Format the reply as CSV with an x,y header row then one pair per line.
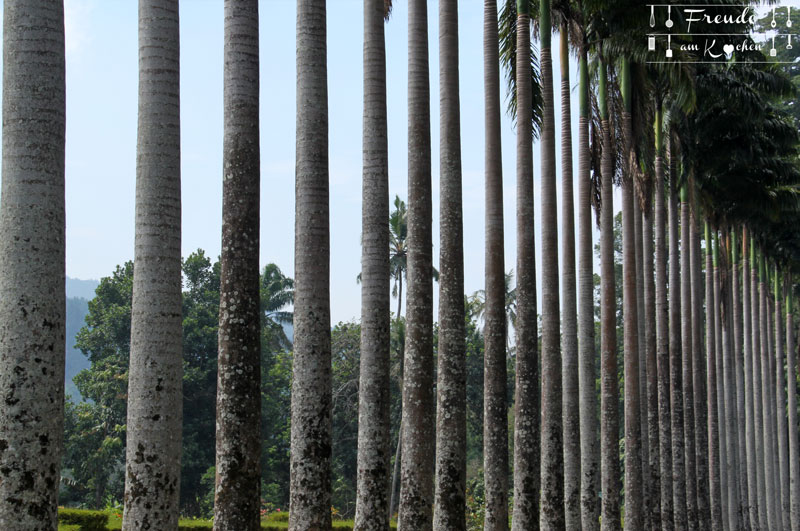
x,y
101,134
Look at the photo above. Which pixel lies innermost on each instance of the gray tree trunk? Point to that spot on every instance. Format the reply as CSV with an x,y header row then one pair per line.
x,y
794,446
699,374
758,407
780,405
451,388
767,398
417,466
738,368
640,321
662,348
609,384
773,408
653,508
720,395
551,505
590,473
153,456
237,500
569,368
731,437
32,264
526,403
495,409
676,387
634,492
310,480
712,292
374,446
750,443
688,365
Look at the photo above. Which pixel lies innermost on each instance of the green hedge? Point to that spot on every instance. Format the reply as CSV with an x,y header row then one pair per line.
x,y
84,520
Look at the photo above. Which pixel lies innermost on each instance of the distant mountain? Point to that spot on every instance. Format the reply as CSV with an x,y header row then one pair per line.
x,y
79,292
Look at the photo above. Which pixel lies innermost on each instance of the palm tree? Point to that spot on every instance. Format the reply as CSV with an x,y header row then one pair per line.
x,y
634,488
495,409
712,291
310,480
374,451
32,254
794,446
526,403
609,386
552,477
416,489
238,447
750,443
152,474
782,433
451,420
766,397
738,368
569,368
589,449
757,388
720,387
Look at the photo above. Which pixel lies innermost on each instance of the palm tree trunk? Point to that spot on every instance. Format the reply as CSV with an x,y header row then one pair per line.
x,y
495,409
590,477
416,489
720,396
374,450
766,398
676,387
152,478
794,446
758,406
750,444
662,335
237,491
688,365
713,384
653,514
731,437
310,481
571,394
551,504
609,385
32,263
634,493
771,342
451,415
738,369
643,403
526,403
699,373
780,405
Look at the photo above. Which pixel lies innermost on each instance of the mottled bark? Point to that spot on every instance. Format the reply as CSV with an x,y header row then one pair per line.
x,y
495,409
794,447
676,387
590,455
688,365
32,264
634,488
782,433
451,388
653,506
152,475
374,447
758,407
720,392
699,375
526,403
750,443
417,466
712,292
609,385
310,479
569,352
767,398
237,490
662,338
642,346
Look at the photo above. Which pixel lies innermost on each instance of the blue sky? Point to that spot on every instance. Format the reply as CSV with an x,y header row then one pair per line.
x,y
101,134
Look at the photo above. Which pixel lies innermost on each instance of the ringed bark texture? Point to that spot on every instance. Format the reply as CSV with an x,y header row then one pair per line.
x,y
310,479
551,504
374,450
32,264
451,388
715,491
780,405
495,409
237,498
153,457
417,467
653,507
794,449
590,448
526,405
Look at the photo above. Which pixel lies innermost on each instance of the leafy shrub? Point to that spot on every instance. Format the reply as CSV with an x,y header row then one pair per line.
x,y
85,520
